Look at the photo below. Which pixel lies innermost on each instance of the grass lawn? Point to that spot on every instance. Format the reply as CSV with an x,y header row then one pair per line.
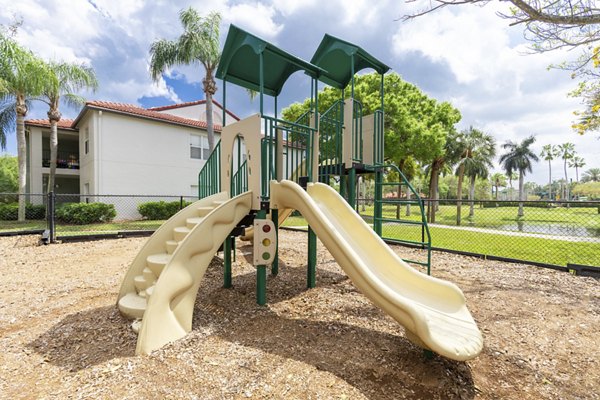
x,y
550,251
501,216
15,226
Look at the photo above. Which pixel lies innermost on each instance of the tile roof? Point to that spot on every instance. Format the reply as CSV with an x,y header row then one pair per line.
x,y
62,124
131,109
191,103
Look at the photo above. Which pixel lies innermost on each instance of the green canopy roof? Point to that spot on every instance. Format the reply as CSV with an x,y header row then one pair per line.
x,y
240,63
335,56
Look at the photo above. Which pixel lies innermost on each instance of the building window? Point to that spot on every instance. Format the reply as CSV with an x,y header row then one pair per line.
x,y
199,147
86,142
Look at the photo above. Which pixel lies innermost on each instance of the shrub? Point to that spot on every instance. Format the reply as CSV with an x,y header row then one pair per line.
x,y
158,210
85,213
9,212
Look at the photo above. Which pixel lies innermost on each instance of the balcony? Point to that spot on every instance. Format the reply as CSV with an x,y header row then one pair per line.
x,y
64,159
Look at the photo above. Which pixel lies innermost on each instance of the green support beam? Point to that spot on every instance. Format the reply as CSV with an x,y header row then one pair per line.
x,y
311,275
227,263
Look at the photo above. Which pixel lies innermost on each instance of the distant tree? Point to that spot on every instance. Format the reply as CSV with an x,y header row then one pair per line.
x,y
591,175
477,152
576,162
498,180
566,151
590,189
9,174
66,80
518,157
548,152
23,76
198,44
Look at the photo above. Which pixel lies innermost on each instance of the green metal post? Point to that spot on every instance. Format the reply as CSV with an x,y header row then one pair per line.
x,y
275,219
261,273
227,263
261,285
352,187
378,209
311,276
224,102
343,179
262,81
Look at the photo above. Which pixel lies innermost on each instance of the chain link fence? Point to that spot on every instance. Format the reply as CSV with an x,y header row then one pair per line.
x,y
70,216
550,233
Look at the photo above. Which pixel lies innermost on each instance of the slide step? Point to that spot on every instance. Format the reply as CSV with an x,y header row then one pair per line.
x,y
140,283
149,275
180,233
192,222
136,325
171,246
157,262
149,291
217,203
203,211
132,305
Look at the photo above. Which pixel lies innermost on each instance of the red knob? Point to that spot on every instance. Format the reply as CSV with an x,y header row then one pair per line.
x,y
266,228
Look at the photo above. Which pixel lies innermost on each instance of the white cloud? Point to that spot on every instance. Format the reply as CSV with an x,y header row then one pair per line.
x,y
256,18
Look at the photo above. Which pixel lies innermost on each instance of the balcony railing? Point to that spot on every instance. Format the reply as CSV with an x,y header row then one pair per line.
x,y
64,159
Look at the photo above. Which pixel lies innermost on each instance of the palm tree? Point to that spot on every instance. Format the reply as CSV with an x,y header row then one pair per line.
x,y
547,153
478,168
198,44
498,179
512,177
577,162
566,151
67,79
476,146
591,175
22,76
518,157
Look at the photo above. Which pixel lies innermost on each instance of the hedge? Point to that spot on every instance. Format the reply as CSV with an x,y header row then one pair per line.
x,y
10,212
85,213
160,210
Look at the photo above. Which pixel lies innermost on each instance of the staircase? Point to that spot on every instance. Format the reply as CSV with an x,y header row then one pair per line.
x,y
156,254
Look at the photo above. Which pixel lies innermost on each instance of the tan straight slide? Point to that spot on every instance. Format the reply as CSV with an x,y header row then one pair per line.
x,y
432,311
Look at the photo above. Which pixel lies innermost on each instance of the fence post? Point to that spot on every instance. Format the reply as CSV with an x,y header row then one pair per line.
x,y
180,203
50,216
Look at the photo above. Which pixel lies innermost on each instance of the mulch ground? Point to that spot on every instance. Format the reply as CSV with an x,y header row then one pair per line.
x,y
61,335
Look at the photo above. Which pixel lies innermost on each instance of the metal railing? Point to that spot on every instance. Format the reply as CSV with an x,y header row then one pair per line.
x,y
209,178
298,155
331,124
386,225
357,131
64,159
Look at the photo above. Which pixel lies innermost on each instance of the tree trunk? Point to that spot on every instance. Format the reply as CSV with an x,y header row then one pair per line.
x,y
22,155
472,197
53,116
210,88
550,180
461,174
433,182
521,184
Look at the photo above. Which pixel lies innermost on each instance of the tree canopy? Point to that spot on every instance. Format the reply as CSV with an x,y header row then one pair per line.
x,y
416,126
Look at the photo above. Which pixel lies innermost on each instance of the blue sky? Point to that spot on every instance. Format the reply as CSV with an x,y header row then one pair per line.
x,y
466,55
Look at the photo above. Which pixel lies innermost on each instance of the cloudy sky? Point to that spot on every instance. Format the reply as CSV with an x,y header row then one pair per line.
x,y
466,55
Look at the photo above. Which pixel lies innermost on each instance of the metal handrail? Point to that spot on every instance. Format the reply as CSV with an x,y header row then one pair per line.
x,y
209,177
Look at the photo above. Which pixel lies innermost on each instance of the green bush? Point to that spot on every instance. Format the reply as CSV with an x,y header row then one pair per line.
x,y
9,212
159,210
85,213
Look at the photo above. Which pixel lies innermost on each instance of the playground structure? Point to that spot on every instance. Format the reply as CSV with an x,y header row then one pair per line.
x,y
264,167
